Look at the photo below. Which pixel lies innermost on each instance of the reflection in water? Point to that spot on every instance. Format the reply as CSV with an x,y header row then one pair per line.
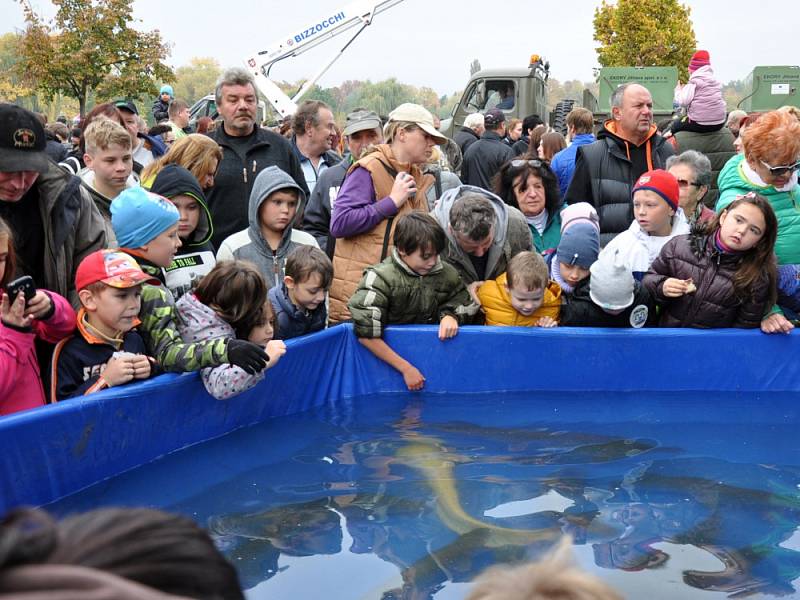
x,y
417,495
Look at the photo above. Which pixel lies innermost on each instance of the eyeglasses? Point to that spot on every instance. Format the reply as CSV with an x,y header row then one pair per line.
x,y
685,183
519,162
783,169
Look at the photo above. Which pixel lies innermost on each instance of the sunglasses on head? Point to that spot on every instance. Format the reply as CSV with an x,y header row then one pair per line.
x,y
519,162
782,169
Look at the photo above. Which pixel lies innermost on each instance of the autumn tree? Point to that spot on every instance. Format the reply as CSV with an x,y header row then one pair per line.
x,y
90,47
197,79
644,34
11,85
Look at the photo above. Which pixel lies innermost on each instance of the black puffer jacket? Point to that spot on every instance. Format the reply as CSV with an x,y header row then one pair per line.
x,y
579,310
160,110
715,303
605,172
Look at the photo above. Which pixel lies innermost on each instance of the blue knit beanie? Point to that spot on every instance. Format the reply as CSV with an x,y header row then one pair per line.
x,y
139,216
167,89
579,245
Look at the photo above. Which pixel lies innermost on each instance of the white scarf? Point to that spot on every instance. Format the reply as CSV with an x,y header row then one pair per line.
x,y
538,221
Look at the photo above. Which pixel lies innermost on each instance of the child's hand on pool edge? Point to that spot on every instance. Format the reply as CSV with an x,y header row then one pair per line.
x,y
413,378
448,327
275,349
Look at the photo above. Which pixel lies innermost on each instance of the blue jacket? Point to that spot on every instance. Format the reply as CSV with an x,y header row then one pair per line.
x,y
292,321
563,163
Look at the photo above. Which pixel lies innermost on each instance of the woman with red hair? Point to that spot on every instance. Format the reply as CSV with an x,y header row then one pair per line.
x,y
769,167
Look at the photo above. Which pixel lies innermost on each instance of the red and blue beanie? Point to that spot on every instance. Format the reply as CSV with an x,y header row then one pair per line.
x,y
699,59
662,183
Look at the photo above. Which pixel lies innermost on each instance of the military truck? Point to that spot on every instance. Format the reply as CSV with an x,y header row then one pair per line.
x,y
768,88
490,88
523,91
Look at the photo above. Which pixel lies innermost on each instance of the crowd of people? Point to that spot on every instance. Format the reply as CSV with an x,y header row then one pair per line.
x,y
136,255
126,251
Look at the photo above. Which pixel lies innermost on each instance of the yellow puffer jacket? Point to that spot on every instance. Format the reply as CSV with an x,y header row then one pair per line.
x,y
496,303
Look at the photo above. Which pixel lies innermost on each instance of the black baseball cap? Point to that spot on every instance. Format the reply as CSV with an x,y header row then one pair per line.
x,y
22,141
126,105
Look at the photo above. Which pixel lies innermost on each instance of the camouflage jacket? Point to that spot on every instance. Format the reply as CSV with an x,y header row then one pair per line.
x,y
159,328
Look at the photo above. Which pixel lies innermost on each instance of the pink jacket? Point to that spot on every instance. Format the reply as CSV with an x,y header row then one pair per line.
x,y
703,97
20,380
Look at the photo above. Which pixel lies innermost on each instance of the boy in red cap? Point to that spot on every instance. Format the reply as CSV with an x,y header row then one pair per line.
x,y
105,351
701,97
657,219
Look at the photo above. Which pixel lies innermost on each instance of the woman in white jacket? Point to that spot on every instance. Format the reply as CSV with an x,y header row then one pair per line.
x,y
658,219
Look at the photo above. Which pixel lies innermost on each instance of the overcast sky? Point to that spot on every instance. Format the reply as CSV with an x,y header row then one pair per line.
x,y
431,44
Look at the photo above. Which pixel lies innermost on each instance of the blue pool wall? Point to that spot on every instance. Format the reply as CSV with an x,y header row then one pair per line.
x,y
54,451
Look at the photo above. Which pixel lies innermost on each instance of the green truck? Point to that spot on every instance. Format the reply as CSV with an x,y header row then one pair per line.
x,y
768,88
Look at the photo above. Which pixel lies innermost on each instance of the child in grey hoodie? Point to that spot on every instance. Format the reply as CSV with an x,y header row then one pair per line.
x,y
271,236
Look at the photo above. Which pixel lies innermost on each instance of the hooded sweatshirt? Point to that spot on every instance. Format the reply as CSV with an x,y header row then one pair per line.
x,y
250,244
198,323
638,250
195,257
511,235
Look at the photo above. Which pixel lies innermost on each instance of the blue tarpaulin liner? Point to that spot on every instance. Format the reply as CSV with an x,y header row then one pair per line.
x,y
54,451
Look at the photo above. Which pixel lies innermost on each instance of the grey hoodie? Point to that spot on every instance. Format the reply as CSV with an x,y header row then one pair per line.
x,y
511,234
250,244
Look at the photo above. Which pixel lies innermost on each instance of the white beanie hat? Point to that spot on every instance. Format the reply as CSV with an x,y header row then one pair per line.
x,y
611,283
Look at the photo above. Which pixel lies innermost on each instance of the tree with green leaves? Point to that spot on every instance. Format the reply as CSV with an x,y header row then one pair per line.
x,y
644,34
197,79
90,47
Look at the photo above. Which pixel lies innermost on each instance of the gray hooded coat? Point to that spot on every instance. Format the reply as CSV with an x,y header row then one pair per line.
x,y
511,235
250,244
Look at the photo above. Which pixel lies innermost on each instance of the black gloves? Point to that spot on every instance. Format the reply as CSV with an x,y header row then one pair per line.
x,y
247,355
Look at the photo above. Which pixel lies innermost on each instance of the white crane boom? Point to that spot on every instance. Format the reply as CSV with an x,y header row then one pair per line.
x,y
358,13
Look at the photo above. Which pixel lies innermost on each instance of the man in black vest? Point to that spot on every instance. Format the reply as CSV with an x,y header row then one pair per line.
x,y
628,145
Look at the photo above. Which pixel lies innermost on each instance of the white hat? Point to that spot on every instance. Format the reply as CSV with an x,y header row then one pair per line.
x,y
414,113
611,284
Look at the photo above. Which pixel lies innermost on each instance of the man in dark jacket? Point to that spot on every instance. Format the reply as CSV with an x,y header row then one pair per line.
x,y
54,220
471,131
627,146
246,150
363,128
485,157
314,132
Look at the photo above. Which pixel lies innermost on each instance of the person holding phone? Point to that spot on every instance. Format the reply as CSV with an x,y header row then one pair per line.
x,y
25,314
384,184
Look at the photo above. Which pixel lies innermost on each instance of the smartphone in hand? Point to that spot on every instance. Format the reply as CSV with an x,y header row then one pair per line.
x,y
23,284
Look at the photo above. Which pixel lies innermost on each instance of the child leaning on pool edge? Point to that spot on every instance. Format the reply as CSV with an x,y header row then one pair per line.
x,y
413,285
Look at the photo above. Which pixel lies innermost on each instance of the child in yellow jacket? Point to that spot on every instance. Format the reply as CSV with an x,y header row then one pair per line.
x,y
522,296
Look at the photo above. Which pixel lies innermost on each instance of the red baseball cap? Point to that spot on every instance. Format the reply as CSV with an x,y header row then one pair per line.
x,y
113,268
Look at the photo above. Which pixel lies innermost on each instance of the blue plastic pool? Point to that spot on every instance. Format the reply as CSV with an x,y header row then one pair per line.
x,y
351,489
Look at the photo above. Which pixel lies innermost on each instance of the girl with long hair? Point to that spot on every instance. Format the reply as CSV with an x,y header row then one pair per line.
x,y
723,274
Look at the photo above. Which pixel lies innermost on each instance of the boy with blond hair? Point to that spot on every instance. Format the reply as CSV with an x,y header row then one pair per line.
x,y
522,296
554,577
109,162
